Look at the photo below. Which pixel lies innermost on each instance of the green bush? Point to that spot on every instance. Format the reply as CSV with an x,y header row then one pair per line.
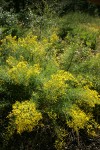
x,y
43,78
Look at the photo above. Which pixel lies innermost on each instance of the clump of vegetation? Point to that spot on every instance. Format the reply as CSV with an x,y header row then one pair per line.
x,y
50,84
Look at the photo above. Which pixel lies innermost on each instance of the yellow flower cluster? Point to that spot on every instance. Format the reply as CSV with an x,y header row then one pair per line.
x,y
79,118
56,86
24,116
9,39
9,44
84,82
21,72
54,38
11,61
91,97
28,40
28,45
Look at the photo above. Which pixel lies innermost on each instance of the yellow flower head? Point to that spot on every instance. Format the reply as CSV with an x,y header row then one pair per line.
x,y
24,116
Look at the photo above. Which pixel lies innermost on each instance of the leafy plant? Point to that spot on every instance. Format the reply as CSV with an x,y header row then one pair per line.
x,y
50,85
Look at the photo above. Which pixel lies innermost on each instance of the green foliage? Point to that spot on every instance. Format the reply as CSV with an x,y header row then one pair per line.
x,y
51,83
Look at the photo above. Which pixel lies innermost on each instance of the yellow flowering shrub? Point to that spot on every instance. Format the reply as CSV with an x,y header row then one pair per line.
x,y
11,61
81,120
56,86
84,97
78,118
54,38
22,71
29,47
79,112
24,116
28,40
83,82
11,40
91,97
43,70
